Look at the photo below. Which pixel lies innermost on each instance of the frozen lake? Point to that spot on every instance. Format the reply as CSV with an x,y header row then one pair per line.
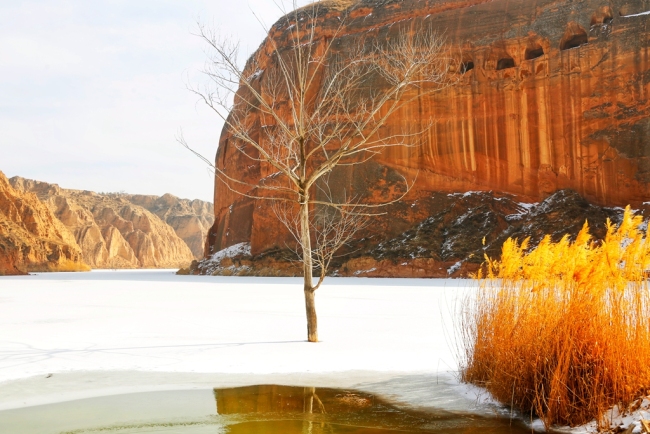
x,y
68,336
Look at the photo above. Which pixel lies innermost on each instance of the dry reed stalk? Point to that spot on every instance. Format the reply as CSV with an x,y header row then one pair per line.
x,y
562,332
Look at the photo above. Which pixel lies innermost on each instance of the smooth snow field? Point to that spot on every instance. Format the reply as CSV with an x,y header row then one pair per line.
x,y
75,336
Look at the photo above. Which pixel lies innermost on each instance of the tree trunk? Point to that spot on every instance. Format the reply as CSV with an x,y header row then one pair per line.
x,y
310,306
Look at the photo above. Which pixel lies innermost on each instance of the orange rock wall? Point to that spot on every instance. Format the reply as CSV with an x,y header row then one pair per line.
x,y
555,96
31,237
570,118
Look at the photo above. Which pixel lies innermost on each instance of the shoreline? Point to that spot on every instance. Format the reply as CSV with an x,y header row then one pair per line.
x,y
410,389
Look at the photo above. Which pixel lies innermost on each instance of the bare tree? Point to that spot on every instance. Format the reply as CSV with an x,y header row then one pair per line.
x,y
304,105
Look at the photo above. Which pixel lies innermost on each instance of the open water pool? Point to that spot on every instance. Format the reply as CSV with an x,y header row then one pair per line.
x,y
261,409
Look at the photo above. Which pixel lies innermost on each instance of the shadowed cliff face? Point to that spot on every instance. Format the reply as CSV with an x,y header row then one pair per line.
x,y
31,237
552,94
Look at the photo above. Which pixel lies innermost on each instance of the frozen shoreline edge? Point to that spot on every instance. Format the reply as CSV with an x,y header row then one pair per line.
x,y
394,385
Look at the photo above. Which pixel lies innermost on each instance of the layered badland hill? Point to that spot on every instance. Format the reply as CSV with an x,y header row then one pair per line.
x,y
190,219
31,237
552,95
114,232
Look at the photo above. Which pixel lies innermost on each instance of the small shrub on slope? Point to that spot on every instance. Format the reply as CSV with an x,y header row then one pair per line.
x,y
563,331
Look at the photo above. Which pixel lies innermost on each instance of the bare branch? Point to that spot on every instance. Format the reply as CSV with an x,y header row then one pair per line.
x,y
304,105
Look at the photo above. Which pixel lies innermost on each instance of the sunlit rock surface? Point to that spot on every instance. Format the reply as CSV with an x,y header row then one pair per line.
x,y
31,237
111,231
551,95
191,219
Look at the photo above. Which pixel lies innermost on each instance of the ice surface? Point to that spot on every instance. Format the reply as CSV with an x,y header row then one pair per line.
x,y
155,321
109,332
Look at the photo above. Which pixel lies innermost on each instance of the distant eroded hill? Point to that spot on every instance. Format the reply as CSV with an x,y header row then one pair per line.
x,y
191,219
112,231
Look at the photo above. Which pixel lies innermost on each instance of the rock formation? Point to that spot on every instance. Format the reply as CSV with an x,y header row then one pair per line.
x,y
111,231
459,229
190,219
551,95
31,237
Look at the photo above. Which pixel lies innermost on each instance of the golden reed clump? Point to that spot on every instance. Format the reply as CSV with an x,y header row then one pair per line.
x,y
563,331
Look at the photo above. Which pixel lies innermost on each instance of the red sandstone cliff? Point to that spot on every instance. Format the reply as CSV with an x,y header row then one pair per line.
x,y
553,94
31,237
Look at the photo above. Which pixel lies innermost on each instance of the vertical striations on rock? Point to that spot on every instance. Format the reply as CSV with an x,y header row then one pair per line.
x,y
31,237
551,95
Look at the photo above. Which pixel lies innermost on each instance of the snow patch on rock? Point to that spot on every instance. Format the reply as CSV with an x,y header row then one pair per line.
x,y
214,262
451,270
232,251
359,272
636,15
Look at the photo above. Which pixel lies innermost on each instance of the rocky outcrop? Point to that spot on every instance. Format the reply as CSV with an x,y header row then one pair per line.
x,y
463,227
190,219
31,237
551,95
111,231
451,242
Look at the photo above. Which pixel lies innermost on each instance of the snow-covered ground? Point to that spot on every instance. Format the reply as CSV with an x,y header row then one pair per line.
x,y
108,332
65,336
157,321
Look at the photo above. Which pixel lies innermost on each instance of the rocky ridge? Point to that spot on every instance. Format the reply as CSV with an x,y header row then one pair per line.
x,y
449,242
111,231
551,95
31,237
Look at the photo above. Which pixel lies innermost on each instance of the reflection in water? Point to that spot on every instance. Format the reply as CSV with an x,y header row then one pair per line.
x,y
296,426
255,409
273,409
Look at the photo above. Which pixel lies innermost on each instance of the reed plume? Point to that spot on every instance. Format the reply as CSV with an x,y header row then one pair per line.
x,y
562,331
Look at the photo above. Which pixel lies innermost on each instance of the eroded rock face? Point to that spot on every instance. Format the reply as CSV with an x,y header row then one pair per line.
x,y
191,219
111,231
31,237
448,243
463,227
551,95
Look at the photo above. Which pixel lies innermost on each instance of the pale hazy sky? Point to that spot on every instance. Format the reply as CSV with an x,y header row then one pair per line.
x,y
93,93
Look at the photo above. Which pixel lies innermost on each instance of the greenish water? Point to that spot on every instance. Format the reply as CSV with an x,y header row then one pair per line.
x,y
265,409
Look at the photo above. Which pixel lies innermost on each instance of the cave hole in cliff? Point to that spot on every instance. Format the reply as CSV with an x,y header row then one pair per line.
x,y
574,40
599,20
466,66
505,63
534,53
603,16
